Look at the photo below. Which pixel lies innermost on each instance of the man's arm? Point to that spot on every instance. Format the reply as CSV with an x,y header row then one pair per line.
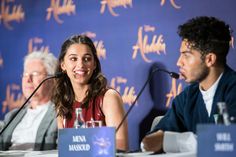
x,y
175,142
171,142
154,142
172,121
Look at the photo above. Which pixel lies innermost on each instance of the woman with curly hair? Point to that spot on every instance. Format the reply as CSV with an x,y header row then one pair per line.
x,y
84,86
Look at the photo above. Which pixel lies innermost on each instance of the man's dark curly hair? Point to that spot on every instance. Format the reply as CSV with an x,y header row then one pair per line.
x,y
207,34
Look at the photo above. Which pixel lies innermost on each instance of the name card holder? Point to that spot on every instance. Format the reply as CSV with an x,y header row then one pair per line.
x,y
89,142
216,140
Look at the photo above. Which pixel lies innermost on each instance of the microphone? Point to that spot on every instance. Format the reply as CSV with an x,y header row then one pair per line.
x,y
172,74
57,75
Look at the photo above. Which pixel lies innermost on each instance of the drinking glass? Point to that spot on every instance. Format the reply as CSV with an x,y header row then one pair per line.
x,y
93,123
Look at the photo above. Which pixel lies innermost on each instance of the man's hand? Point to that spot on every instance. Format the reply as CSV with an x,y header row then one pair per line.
x,y
154,142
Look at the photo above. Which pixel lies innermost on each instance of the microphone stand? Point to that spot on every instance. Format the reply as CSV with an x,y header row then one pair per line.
x,y
50,77
172,74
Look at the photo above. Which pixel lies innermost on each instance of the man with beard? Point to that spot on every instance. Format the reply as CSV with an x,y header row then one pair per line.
x,y
202,63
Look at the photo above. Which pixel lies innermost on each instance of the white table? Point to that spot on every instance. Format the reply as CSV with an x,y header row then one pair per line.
x,y
186,154
54,153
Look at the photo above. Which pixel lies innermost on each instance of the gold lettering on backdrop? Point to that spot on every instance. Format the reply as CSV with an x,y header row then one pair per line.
x,y
33,47
113,4
101,51
1,61
157,45
172,3
173,92
90,34
67,7
128,94
148,28
232,42
17,14
12,100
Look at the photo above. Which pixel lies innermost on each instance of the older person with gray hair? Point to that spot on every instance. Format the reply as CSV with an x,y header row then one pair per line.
x,y
35,127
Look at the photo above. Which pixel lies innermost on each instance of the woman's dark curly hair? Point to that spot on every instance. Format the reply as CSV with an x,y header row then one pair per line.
x,y
207,34
63,95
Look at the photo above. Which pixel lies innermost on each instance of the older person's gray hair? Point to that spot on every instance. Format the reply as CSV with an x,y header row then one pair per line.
x,y
48,59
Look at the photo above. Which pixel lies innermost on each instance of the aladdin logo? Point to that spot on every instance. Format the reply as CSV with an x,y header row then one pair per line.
x,y
172,3
113,4
12,100
128,95
157,45
101,51
32,47
66,8
17,14
103,145
173,92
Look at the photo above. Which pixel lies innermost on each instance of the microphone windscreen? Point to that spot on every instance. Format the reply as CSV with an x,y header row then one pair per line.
x,y
174,75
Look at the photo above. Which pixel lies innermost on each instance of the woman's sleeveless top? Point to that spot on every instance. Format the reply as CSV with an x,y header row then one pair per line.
x,y
92,112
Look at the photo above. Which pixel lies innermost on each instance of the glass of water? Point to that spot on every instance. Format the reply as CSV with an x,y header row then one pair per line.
x,y
93,123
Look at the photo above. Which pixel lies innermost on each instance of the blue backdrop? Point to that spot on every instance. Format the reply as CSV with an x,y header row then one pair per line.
x,y
131,36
